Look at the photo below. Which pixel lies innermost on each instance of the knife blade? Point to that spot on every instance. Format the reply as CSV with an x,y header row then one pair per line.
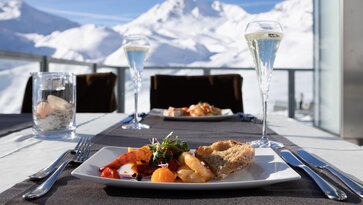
x,y
328,189
353,185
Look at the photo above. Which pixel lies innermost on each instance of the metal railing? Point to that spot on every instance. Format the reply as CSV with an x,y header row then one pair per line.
x,y
44,62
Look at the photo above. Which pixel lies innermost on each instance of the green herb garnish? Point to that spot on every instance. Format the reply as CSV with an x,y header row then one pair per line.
x,y
170,148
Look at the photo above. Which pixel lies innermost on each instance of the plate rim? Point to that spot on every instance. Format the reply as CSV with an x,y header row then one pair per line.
x,y
177,185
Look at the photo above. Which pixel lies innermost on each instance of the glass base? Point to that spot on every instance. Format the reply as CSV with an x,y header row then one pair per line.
x,y
266,143
63,135
135,126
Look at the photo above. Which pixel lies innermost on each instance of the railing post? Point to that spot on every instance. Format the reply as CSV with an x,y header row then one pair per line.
x,y
291,91
121,89
206,71
44,64
94,67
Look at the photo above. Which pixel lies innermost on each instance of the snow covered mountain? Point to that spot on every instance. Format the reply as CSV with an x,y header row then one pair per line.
x,y
195,32
21,25
19,17
182,32
84,43
210,33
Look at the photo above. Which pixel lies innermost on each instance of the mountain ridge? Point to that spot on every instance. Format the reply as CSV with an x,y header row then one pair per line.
x,y
182,33
203,34
15,16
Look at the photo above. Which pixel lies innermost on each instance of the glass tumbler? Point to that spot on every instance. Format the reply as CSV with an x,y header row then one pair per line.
x,y
54,104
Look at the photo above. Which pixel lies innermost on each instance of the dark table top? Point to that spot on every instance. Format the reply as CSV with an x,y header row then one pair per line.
x,y
70,190
14,122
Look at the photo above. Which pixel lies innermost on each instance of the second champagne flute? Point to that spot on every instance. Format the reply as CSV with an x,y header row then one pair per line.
x,y
263,38
136,48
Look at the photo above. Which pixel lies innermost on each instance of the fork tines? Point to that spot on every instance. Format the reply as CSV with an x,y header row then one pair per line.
x,y
84,148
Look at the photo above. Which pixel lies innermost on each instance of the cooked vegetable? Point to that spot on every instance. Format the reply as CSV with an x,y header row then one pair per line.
x,y
197,110
110,173
169,149
196,165
189,176
142,154
203,109
148,159
163,175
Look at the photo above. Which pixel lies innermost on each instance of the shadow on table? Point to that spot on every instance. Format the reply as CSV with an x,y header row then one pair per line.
x,y
272,190
281,191
55,137
59,137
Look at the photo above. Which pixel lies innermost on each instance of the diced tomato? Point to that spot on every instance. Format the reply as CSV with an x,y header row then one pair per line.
x,y
110,173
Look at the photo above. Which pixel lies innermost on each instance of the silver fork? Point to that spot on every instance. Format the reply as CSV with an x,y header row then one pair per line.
x,y
41,174
80,156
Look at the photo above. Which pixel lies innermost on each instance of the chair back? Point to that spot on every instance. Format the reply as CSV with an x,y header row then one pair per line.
x,y
223,91
95,93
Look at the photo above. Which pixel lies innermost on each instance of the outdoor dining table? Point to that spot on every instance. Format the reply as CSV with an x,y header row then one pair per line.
x,y
22,154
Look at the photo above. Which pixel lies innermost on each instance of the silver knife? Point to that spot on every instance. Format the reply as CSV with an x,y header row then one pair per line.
x,y
329,190
308,158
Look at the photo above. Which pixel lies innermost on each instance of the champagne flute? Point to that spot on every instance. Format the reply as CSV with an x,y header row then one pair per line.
x,y
136,47
263,39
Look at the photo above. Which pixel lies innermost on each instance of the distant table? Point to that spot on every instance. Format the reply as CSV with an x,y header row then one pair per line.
x,y
21,154
14,122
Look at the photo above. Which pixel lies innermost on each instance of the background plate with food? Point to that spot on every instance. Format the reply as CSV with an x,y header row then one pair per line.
x,y
225,114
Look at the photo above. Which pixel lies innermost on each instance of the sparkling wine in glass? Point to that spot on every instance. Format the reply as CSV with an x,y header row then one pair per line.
x,y
263,39
136,48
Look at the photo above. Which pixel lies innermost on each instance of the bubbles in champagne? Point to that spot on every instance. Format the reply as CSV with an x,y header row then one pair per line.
x,y
135,56
263,46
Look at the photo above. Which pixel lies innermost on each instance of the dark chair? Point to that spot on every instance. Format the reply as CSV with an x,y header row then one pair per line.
x,y
223,91
95,93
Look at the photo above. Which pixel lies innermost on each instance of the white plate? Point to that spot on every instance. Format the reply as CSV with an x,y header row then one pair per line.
x,y
226,113
268,168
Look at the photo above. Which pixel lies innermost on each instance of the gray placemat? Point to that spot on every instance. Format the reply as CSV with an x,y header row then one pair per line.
x,y
70,190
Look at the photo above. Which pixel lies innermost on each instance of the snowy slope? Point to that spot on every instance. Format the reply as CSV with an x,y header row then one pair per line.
x,y
11,41
182,32
188,29
297,45
87,42
22,25
18,16
210,33
12,83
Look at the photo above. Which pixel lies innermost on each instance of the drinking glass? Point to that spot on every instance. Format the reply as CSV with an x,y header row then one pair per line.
x,y
54,104
136,48
263,39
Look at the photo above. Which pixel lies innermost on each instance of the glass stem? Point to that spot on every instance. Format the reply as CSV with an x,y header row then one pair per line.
x,y
135,114
264,123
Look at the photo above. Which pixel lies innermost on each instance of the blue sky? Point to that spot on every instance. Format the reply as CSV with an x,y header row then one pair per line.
x,y
112,12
